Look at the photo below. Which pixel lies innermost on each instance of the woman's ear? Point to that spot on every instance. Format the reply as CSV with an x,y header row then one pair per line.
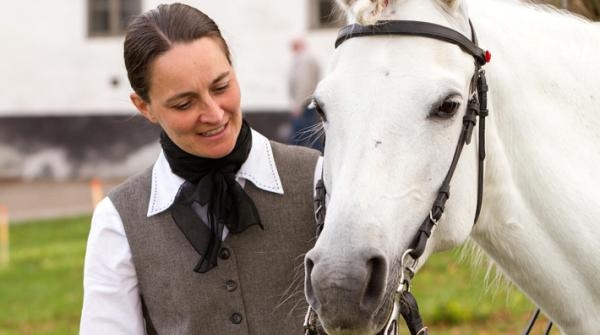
x,y
143,107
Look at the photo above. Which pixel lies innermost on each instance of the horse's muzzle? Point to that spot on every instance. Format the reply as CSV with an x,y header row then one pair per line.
x,y
346,290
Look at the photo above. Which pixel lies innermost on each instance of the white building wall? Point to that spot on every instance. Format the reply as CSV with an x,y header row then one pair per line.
x,y
49,65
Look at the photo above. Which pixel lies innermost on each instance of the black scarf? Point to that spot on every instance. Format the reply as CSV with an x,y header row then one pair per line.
x,y
211,182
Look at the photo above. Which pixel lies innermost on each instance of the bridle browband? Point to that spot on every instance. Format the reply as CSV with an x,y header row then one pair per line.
x,y
404,303
414,28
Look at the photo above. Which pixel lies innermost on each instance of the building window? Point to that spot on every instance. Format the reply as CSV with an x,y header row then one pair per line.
x,y
110,17
324,14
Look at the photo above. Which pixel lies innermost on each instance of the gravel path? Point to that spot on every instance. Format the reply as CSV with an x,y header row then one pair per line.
x,y
43,199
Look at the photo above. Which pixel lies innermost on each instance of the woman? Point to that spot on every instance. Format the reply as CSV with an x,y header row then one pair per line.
x,y
209,240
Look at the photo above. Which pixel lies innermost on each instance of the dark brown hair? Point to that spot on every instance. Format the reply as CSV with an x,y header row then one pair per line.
x,y
153,33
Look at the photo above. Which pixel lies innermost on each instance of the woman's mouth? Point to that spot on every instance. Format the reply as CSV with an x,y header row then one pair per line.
x,y
213,132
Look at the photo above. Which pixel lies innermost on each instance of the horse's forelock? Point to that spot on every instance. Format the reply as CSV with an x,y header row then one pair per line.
x,y
369,11
450,3
364,11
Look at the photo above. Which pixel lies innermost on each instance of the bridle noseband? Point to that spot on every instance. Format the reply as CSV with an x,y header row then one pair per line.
x,y
404,302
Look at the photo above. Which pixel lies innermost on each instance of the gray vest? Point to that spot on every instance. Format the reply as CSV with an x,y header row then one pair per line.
x,y
257,287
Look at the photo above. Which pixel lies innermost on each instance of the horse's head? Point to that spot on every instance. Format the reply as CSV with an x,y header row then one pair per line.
x,y
393,108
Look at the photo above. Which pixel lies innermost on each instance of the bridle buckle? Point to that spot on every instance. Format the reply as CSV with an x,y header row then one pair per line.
x,y
434,220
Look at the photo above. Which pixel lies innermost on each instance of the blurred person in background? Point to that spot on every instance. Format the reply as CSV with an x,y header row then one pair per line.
x,y
303,79
209,240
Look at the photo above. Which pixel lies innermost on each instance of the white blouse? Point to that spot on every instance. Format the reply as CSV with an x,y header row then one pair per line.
x,y
111,301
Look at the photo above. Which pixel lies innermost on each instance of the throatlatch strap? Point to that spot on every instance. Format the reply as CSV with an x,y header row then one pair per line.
x,y
482,89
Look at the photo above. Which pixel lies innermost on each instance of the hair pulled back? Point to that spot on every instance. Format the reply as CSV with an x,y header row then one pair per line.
x,y
154,32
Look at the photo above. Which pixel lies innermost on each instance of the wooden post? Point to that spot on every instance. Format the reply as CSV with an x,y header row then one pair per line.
x,y
4,237
97,191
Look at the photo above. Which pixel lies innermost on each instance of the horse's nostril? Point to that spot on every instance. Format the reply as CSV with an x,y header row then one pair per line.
x,y
376,280
350,286
308,287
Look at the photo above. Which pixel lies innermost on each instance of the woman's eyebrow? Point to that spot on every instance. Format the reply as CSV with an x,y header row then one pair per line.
x,y
193,94
178,96
221,77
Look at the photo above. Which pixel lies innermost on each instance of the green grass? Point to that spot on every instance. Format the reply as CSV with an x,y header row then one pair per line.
x,y
41,289
454,299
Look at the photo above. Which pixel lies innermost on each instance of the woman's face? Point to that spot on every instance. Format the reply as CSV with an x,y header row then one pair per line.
x,y
195,98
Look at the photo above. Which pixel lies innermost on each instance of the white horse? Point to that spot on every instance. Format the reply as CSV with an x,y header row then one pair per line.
x,y
388,149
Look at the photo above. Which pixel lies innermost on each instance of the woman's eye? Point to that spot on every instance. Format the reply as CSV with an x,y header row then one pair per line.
x,y
183,106
447,109
220,89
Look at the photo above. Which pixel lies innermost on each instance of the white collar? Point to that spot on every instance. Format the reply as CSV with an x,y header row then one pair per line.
x,y
259,168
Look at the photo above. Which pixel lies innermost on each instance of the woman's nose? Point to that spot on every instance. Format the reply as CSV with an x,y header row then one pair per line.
x,y
211,112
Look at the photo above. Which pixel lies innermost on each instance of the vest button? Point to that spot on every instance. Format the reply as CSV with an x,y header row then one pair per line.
x,y
230,285
236,318
224,253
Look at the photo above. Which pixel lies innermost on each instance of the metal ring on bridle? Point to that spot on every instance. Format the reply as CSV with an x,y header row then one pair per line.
x,y
405,269
422,331
391,327
407,253
435,222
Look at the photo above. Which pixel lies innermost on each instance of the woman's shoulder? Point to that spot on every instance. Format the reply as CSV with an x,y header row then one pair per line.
x,y
295,163
134,184
294,152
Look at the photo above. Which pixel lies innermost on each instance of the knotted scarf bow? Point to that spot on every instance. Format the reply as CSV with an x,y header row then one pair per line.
x,y
210,184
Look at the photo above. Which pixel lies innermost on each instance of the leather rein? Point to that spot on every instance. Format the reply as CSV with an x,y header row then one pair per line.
x,y
404,302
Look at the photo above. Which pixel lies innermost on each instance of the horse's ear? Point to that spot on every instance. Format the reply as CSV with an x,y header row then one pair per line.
x,y
449,3
452,6
364,11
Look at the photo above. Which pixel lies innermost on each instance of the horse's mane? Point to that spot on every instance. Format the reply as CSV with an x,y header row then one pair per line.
x,y
560,43
369,11
540,10
550,8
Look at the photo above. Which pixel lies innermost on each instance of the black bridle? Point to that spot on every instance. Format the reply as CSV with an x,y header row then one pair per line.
x,y
404,302
477,107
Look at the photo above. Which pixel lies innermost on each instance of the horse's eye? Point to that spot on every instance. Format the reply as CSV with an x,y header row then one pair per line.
x,y
447,109
315,104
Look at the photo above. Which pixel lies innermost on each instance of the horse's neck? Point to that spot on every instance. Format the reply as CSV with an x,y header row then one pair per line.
x,y
540,222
